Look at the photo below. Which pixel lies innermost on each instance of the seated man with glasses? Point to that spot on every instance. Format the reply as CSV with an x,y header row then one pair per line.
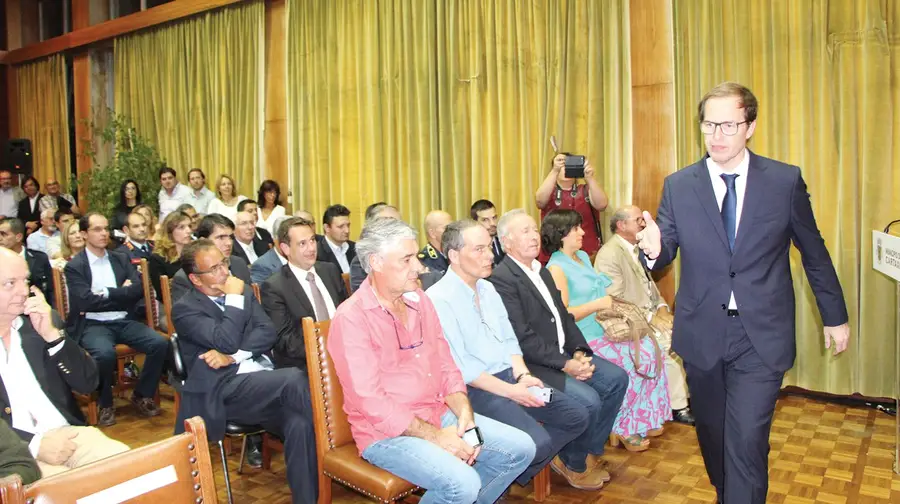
x,y
404,397
225,337
220,230
487,352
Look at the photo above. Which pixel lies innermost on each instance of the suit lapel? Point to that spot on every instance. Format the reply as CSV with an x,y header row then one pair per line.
x,y
707,197
753,199
329,286
626,256
523,278
296,289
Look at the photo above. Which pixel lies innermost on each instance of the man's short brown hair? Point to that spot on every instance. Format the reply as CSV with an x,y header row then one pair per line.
x,y
746,99
284,230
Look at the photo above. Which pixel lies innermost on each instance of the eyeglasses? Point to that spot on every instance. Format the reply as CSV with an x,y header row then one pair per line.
x,y
729,128
225,264
395,322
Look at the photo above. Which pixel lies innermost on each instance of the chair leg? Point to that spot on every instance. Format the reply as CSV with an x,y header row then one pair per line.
x,y
324,489
266,452
156,397
225,472
92,412
542,484
243,452
228,448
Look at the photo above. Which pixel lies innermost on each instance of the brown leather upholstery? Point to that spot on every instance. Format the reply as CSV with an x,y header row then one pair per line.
x,y
346,278
338,457
187,454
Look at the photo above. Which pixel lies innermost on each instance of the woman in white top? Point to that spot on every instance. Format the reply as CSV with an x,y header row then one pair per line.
x,y
268,201
227,201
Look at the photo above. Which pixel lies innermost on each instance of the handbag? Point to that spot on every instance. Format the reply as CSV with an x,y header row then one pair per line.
x,y
624,322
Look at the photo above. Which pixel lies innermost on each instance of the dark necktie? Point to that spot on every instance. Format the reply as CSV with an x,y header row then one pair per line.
x,y
220,301
729,208
318,300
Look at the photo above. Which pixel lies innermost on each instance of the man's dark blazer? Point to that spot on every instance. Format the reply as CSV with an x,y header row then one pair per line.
x,y
325,254
259,246
40,274
201,326
265,236
82,300
181,285
776,211
69,369
286,303
534,324
497,249
26,214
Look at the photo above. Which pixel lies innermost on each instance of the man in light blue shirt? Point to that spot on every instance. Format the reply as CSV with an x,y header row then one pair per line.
x,y
485,347
199,195
38,240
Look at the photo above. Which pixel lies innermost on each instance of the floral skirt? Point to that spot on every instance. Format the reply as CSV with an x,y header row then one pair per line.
x,y
646,405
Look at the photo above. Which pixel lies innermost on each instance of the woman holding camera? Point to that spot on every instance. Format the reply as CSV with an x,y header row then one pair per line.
x,y
588,199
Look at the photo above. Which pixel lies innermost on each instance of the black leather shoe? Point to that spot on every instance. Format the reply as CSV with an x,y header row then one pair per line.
x,y
253,456
684,416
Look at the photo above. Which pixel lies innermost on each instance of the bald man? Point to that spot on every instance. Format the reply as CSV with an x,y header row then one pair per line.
x,y
303,214
40,367
431,256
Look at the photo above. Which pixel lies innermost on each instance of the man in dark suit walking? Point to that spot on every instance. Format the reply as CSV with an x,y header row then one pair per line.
x,y
224,336
12,237
555,349
304,287
734,215
104,288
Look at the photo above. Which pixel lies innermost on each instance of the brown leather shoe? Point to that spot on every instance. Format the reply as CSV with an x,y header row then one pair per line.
x,y
145,406
596,464
106,417
588,480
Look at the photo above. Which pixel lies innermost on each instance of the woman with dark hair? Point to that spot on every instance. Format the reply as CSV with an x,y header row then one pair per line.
x,y
129,198
269,209
646,405
29,207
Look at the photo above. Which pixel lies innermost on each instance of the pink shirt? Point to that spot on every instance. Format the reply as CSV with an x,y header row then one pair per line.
x,y
385,386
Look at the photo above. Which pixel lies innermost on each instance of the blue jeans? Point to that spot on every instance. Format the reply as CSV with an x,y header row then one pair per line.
x,y
602,395
505,454
551,426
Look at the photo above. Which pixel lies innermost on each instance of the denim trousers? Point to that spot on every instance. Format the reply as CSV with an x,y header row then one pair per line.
x,y
506,452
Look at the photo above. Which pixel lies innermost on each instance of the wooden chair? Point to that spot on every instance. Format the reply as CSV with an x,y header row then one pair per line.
x,y
151,306
338,458
346,278
177,469
61,295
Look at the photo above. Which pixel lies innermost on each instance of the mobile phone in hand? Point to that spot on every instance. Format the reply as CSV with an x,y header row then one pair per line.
x,y
473,437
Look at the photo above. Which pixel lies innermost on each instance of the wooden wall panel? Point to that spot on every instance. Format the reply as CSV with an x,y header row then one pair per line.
x,y
653,108
81,80
275,133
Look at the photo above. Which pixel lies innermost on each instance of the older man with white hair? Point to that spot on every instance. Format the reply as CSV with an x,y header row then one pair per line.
x,y
38,240
404,397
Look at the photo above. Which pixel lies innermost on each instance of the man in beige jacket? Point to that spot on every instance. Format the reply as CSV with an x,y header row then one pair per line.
x,y
618,259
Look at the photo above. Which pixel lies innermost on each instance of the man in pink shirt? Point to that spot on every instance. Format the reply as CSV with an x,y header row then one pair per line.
x,y
403,394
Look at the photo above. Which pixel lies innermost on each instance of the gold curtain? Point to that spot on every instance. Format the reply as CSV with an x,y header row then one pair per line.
x,y
44,116
194,89
434,104
826,74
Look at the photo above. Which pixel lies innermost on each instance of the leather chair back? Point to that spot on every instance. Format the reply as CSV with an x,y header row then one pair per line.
x,y
165,285
327,395
177,469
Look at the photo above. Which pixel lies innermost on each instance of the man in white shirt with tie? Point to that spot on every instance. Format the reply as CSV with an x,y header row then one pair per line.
x,y
305,287
38,403
246,245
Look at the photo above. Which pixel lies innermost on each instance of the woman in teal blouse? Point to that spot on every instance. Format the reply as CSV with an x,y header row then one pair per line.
x,y
646,405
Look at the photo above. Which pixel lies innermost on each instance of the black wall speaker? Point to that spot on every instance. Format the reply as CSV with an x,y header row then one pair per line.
x,y
17,157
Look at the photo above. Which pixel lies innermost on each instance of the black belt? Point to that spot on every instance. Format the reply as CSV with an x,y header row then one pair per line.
x,y
732,313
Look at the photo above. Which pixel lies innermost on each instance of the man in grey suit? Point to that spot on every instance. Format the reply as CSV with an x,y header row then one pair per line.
x,y
271,261
220,230
734,215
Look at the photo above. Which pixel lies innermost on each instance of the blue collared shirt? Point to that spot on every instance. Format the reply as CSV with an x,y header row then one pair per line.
x,y
481,340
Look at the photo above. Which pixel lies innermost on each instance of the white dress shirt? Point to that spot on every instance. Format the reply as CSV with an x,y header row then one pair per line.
x,y
9,202
269,224
33,201
249,250
340,253
219,207
300,274
103,278
38,240
169,202
32,410
200,199
243,358
720,189
54,245
534,274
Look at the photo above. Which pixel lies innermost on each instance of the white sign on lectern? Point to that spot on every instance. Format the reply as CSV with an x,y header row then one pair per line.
x,y
886,259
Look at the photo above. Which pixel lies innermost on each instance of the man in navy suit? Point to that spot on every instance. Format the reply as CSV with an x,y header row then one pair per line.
x,y
734,215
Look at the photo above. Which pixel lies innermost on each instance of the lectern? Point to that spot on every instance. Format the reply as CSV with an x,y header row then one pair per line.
x,y
886,259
